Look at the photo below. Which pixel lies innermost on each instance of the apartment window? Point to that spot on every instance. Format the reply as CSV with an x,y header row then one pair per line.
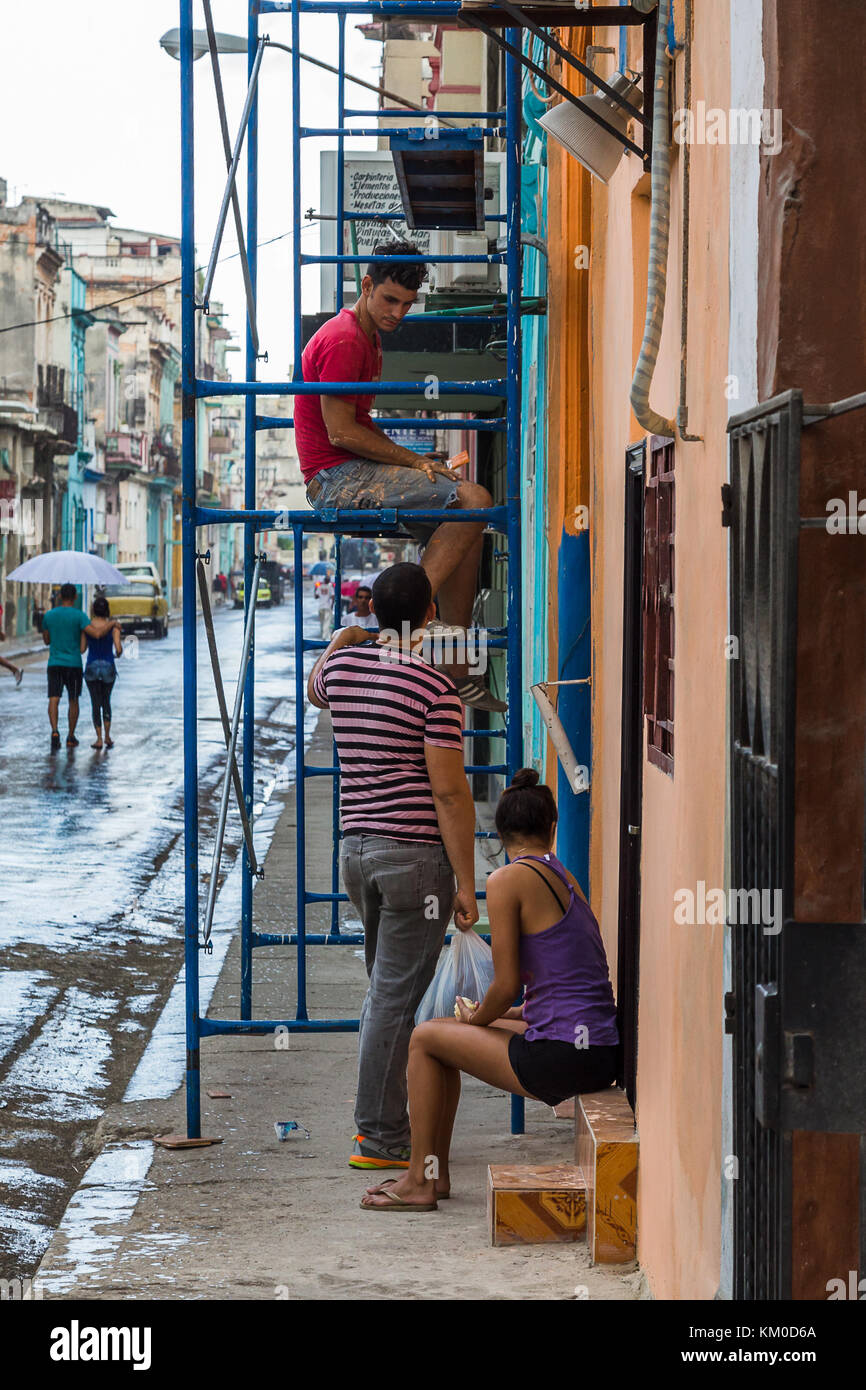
x,y
658,604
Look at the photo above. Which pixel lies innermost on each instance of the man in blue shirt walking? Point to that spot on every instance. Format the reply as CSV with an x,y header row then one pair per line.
x,y
61,632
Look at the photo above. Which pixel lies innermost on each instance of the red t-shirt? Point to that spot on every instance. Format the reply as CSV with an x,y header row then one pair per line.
x,y
340,351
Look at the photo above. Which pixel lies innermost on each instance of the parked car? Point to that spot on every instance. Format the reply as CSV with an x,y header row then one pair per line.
x,y
140,569
139,605
145,569
264,597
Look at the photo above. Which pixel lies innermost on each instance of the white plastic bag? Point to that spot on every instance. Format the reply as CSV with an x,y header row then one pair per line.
x,y
465,967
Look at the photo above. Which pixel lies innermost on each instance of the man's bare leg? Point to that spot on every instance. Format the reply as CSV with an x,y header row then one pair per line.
x,y
451,560
10,666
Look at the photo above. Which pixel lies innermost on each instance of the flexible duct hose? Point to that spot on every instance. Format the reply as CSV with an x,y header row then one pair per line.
x,y
660,218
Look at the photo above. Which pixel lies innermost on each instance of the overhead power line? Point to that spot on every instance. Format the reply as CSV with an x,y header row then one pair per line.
x,y
137,294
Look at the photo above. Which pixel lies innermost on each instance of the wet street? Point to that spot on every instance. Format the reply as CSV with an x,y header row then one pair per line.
x,y
91,895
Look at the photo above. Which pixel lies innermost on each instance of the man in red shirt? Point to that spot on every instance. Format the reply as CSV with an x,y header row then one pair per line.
x,y
348,462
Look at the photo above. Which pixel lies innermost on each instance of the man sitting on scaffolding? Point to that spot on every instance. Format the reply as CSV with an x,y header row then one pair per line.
x,y
348,462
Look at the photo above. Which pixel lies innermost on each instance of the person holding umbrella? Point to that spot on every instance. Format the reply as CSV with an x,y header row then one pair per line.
x,y
61,632
62,626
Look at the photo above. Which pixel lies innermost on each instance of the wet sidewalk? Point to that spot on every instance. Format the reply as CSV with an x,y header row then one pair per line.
x,y
256,1218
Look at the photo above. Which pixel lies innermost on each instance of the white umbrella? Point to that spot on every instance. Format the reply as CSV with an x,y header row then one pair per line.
x,y
67,567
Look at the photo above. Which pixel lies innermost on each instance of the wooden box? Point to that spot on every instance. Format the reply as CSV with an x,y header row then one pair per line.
x,y
532,1205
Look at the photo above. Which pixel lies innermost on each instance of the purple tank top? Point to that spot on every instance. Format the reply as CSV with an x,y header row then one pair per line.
x,y
568,992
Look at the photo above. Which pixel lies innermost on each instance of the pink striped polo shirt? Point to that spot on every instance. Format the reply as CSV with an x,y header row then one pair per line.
x,y
385,706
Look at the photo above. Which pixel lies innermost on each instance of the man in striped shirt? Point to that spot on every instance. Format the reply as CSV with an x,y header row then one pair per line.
x,y
408,823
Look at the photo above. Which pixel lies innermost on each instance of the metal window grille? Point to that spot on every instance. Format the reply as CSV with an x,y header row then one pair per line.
x,y
658,604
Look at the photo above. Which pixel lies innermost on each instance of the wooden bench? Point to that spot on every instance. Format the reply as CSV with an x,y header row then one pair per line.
x,y
595,1198
606,1152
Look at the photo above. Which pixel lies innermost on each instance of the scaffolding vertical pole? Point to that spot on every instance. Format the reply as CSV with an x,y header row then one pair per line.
x,y
335,781
188,471
296,193
300,814
341,154
514,657
246,1001
338,574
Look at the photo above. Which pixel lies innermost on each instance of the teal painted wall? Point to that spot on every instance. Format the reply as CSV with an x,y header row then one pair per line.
x,y
76,518
534,460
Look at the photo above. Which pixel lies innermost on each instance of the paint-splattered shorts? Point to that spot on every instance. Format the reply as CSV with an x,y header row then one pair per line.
x,y
361,484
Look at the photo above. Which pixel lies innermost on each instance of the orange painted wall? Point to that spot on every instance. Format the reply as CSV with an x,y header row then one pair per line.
x,y
679,1093
568,217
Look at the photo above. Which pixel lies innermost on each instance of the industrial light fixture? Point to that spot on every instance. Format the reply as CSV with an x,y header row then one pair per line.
x,y
226,43
597,149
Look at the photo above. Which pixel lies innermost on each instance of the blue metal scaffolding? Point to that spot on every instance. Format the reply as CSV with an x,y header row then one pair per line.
x,y
503,518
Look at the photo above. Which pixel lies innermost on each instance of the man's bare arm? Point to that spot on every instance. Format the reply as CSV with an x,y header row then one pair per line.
x,y
344,432
455,812
343,637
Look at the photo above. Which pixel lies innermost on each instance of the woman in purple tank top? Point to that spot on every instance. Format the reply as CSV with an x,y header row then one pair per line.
x,y
561,1041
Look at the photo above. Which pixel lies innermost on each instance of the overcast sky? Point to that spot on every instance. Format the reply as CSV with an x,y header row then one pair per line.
x,y
89,110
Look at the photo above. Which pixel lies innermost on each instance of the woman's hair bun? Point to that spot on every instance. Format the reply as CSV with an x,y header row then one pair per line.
x,y
524,777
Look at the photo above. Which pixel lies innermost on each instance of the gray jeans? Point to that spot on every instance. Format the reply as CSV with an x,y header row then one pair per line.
x,y
404,892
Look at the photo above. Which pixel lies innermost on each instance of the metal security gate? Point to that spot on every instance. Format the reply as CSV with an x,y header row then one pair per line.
x,y
796,1007
761,508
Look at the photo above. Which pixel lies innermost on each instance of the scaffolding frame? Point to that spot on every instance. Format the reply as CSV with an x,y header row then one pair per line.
x,y
503,518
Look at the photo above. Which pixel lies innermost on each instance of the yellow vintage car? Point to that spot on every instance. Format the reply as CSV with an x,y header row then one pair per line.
x,y
264,597
139,605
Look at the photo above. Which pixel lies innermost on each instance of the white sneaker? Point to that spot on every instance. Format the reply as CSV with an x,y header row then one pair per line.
x,y
475,693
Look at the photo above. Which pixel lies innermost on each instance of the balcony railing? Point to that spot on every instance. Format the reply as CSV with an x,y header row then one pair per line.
x,y
124,453
64,421
219,442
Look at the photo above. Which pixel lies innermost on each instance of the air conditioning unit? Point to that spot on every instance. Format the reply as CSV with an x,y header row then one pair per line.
x,y
456,278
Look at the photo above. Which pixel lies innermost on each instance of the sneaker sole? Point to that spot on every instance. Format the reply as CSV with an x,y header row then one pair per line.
x,y
358,1161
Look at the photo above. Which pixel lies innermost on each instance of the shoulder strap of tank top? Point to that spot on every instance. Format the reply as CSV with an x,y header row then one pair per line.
x,y
546,880
547,859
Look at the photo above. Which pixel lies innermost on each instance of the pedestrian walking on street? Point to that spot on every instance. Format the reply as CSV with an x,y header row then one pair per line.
x,y
360,614
408,822
61,632
100,672
325,604
10,666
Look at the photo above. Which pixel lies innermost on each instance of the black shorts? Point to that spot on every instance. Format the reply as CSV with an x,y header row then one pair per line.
x,y
554,1071
62,678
